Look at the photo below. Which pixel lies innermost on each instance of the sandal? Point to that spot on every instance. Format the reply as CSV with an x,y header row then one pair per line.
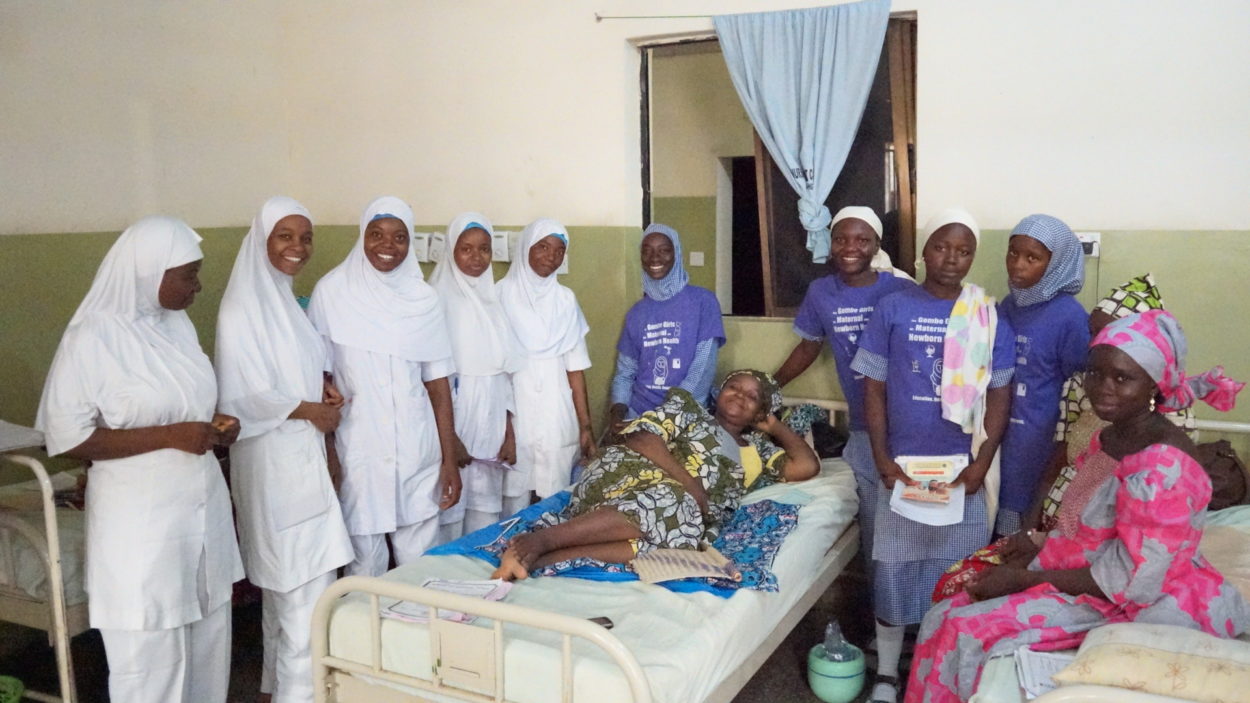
x,y
881,680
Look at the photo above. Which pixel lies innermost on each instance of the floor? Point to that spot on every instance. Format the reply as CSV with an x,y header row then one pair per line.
x,y
24,653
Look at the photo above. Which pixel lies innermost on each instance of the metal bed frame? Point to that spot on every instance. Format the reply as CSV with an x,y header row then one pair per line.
x,y
51,615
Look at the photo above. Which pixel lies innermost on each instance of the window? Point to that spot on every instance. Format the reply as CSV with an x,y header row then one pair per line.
x,y
706,174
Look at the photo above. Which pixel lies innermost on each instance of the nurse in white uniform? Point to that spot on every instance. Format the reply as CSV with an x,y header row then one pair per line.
x,y
270,372
391,358
486,354
553,428
131,390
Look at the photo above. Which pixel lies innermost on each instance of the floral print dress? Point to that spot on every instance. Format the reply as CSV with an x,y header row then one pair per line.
x,y
1138,535
663,511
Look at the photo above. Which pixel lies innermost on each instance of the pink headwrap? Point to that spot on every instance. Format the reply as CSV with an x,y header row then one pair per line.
x,y
1155,341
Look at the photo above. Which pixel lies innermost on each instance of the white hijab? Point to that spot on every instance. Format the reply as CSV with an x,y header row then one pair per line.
x,y
269,356
480,335
949,216
146,343
395,313
544,314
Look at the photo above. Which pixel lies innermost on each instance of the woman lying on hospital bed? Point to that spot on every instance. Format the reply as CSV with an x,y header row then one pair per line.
x,y
675,482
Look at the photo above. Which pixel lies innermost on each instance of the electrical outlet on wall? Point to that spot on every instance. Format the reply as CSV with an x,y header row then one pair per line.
x,y
437,245
501,246
1091,242
696,258
514,241
420,245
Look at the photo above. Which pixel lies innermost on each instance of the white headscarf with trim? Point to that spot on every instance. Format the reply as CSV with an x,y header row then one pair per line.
x,y
269,357
395,313
481,337
544,315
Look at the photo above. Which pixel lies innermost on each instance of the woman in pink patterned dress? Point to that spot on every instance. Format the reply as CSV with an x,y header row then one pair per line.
x,y
1133,554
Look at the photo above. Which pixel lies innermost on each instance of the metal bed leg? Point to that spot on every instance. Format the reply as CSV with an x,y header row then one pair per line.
x,y
56,586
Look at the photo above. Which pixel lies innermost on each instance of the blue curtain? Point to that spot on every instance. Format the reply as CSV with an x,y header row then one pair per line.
x,y
803,77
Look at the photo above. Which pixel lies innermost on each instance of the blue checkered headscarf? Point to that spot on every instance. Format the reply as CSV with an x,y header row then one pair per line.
x,y
1066,271
676,278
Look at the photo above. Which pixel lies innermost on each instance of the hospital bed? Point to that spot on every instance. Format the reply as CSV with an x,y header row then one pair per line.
x,y
539,644
41,583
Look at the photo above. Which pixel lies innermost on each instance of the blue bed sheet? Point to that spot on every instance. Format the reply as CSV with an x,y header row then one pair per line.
x,y
751,540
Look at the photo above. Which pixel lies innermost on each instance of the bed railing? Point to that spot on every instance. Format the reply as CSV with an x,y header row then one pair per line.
x,y
48,546
482,649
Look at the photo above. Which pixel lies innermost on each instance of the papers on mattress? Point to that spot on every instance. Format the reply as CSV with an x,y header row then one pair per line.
x,y
1034,669
670,564
492,589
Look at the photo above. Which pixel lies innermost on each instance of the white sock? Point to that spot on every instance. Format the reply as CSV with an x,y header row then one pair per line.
x,y
884,692
889,650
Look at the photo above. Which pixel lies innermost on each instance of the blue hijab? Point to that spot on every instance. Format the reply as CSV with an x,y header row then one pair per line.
x,y
677,277
1066,271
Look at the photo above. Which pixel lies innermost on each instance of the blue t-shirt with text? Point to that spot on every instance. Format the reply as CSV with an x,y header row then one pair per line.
x,y
833,311
662,335
1052,342
908,329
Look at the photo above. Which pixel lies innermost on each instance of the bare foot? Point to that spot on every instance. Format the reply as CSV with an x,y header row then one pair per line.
x,y
511,568
529,546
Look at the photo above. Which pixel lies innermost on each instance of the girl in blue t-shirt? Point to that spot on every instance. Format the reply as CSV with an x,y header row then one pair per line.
x,y
938,363
1045,269
671,337
835,309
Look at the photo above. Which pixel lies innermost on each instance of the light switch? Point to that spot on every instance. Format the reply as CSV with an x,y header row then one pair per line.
x,y
696,258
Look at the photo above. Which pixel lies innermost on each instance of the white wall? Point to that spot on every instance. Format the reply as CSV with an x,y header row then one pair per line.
x,y
696,118
1112,113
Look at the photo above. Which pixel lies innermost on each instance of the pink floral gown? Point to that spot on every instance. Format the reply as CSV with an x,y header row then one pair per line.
x,y
1138,535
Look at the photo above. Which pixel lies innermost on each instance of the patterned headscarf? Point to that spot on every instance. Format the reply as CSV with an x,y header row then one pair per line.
x,y
676,279
1066,271
1137,295
768,385
1155,341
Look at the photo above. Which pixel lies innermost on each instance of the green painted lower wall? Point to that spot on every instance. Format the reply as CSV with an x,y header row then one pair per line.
x,y
43,277
1201,275
695,220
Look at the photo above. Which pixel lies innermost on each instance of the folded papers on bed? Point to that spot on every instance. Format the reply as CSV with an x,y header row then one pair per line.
x,y
661,565
489,589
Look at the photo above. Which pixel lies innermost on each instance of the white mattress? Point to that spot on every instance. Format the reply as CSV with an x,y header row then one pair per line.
x,y
686,643
21,568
